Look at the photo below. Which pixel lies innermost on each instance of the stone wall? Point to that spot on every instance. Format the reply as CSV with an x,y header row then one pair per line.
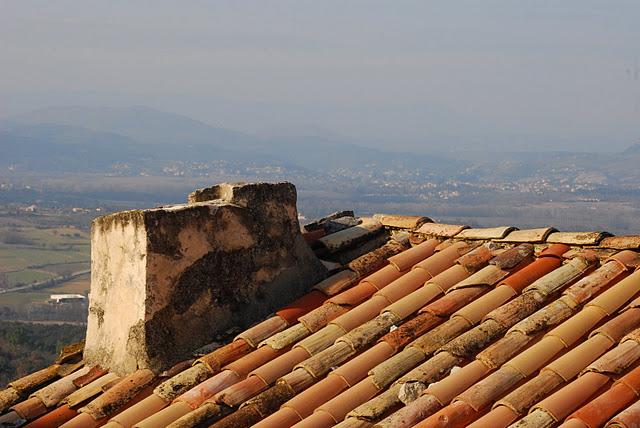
x,y
166,281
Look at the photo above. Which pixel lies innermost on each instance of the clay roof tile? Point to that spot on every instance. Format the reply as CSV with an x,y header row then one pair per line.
x,y
532,236
402,221
303,305
621,242
628,418
577,238
440,230
406,259
486,233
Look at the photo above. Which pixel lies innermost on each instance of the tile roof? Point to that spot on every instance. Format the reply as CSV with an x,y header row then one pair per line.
x,y
490,327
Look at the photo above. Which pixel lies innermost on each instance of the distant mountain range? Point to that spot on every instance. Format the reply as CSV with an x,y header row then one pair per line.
x,y
66,135
74,139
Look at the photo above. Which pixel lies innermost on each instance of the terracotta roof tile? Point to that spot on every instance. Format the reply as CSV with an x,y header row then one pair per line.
x,y
485,234
406,259
256,334
143,409
32,381
226,354
506,346
401,221
439,230
30,408
165,416
628,418
376,259
577,238
285,417
380,341
300,307
118,395
621,242
91,390
355,295
172,387
337,282
94,373
54,418
533,236
383,277
526,276
351,236
306,402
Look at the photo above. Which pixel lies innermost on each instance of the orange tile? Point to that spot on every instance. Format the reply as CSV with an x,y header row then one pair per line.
x,y
262,330
457,382
253,360
576,423
454,300
357,368
355,295
339,406
319,419
410,257
632,380
83,420
404,285
414,412
360,314
165,416
281,365
94,373
210,387
320,317
456,414
626,258
383,277
340,281
226,354
617,327
483,393
527,275
444,259
555,250
143,409
498,417
30,408
599,410
628,418
411,330
240,392
561,403
303,305
120,394
308,400
283,418
55,418
244,417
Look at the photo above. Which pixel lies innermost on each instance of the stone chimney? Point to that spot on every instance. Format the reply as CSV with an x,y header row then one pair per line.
x,y
166,281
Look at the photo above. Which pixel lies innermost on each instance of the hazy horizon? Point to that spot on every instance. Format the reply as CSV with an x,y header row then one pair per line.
x,y
409,76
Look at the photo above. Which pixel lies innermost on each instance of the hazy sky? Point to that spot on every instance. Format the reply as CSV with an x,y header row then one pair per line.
x,y
415,75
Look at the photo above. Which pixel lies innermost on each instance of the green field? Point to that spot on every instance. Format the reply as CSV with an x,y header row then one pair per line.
x,y
31,253
37,248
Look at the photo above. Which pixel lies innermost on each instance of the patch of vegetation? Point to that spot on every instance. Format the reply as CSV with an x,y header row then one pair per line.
x,y
25,348
12,237
27,276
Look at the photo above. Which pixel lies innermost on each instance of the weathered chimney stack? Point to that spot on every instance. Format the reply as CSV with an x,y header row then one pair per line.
x,y
166,281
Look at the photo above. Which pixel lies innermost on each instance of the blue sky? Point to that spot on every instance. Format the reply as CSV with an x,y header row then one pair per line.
x,y
409,75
